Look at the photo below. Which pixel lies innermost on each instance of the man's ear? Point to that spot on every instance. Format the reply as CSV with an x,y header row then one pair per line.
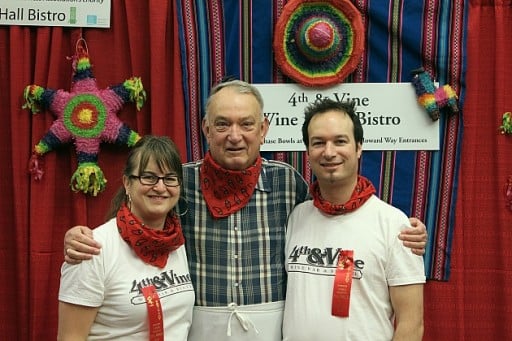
x,y
265,125
205,127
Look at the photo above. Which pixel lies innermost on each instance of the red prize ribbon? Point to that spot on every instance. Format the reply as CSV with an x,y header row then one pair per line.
x,y
342,284
156,325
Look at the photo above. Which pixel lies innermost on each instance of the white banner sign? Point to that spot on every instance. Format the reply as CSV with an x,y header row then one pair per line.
x,y
391,117
73,13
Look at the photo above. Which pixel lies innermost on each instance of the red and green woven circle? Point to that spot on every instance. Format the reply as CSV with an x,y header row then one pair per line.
x,y
318,43
85,116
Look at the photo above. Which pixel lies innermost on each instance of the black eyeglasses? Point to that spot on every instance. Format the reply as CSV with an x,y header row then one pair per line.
x,y
149,179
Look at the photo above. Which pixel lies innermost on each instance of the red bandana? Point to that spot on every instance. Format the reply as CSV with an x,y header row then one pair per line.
x,y
363,191
151,245
227,191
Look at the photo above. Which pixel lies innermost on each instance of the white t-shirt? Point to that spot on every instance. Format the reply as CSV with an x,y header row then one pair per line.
x,y
312,245
112,281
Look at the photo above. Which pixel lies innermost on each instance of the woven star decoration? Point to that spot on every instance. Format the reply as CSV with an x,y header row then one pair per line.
x,y
86,116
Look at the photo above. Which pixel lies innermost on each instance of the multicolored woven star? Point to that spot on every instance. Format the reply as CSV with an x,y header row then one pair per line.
x,y
86,116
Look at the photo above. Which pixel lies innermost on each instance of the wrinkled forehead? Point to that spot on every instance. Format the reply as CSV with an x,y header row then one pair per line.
x,y
230,104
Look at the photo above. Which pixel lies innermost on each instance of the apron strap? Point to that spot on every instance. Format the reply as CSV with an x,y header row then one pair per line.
x,y
244,321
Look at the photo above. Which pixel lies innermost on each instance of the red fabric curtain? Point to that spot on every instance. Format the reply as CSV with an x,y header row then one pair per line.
x,y
476,303
142,41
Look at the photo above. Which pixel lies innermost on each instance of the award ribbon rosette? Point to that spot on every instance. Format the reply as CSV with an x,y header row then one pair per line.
x,y
156,325
343,284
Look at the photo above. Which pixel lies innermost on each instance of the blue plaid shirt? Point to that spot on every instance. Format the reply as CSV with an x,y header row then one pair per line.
x,y
240,258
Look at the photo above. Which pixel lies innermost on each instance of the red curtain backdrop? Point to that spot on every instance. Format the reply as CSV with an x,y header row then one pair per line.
x,y
142,41
476,303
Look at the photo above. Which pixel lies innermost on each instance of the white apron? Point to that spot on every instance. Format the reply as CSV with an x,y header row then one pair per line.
x,y
254,322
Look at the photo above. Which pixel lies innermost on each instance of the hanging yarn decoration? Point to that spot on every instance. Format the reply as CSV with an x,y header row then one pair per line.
x,y
506,128
86,116
506,123
433,99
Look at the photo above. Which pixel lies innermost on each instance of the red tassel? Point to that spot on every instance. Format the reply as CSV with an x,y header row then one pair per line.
x,y
34,167
508,192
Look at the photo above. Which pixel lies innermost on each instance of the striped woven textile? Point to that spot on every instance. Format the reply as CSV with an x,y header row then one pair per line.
x,y
232,37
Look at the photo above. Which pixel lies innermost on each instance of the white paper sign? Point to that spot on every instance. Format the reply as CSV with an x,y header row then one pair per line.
x,y
73,13
392,118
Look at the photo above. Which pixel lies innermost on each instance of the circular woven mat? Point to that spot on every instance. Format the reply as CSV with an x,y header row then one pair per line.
x,y
318,43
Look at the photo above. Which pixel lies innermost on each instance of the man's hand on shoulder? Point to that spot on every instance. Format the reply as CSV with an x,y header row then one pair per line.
x,y
415,237
79,245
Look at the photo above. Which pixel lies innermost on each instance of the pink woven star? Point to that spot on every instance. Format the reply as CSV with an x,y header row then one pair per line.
x,y
86,116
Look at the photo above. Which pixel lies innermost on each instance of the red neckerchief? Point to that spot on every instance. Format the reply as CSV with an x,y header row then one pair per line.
x,y
362,192
151,245
227,191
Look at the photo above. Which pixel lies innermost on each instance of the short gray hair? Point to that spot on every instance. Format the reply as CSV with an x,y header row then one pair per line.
x,y
240,86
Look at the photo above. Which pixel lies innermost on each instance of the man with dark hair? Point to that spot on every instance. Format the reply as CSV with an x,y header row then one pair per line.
x,y
348,276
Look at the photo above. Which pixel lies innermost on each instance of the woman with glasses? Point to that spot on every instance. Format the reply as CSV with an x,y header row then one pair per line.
x,y
139,287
